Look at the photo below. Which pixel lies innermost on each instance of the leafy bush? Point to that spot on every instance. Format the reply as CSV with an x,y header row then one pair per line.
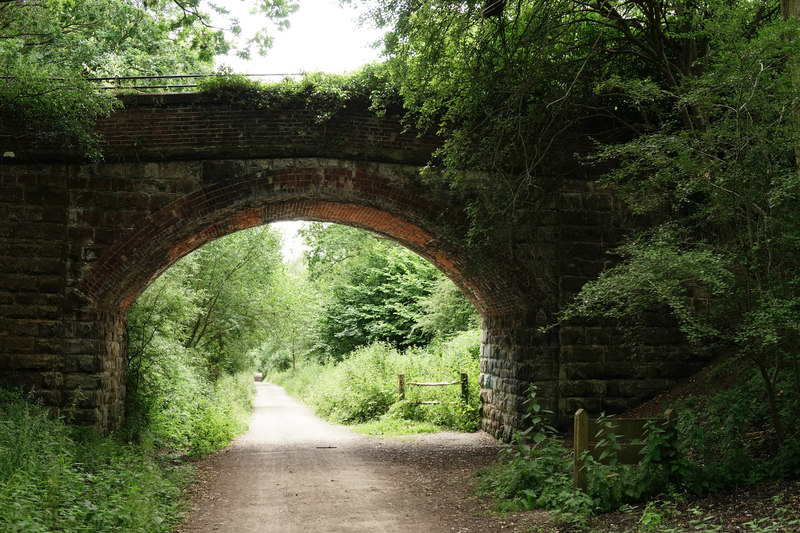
x,y
445,311
276,361
54,477
327,94
357,390
223,414
724,439
535,471
189,415
727,433
363,387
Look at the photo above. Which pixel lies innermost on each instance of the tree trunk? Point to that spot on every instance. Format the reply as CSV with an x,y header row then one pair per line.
x,y
771,401
790,9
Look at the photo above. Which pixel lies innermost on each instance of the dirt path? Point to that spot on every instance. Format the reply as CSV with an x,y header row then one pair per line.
x,y
295,473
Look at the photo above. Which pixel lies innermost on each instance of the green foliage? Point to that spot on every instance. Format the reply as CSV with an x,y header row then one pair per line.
x,y
52,109
722,441
186,415
662,516
357,389
659,270
504,93
48,48
535,471
231,281
374,290
215,303
296,303
326,94
363,387
55,477
221,414
445,311
726,434
193,336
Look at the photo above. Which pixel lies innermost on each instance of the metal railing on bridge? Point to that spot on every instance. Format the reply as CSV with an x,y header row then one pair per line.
x,y
129,82
183,81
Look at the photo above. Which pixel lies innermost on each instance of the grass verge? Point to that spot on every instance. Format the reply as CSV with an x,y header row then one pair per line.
x,y
58,477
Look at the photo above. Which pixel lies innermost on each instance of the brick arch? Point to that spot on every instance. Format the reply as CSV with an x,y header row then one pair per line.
x,y
377,198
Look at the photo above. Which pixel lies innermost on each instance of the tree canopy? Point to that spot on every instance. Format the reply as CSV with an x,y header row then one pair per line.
x,y
693,106
50,48
375,290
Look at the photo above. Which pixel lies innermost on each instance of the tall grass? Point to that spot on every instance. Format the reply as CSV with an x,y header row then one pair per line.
x,y
55,477
176,409
363,387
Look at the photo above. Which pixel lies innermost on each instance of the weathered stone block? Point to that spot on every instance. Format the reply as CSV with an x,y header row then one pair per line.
x,y
639,389
612,405
569,405
599,336
621,369
81,346
583,388
85,382
582,353
571,335
52,380
82,363
583,371
38,361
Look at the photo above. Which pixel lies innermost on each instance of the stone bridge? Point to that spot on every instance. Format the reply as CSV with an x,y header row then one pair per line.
x,y
79,242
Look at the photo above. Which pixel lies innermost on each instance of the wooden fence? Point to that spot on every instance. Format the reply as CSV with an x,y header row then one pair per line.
x,y
631,435
401,387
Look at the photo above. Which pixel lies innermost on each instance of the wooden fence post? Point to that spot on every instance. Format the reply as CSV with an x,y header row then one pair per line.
x,y
581,441
401,386
464,387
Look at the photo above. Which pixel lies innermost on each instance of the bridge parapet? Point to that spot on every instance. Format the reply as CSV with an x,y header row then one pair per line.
x,y
194,126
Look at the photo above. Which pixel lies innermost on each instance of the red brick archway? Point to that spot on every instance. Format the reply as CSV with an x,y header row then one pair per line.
x,y
355,195
224,196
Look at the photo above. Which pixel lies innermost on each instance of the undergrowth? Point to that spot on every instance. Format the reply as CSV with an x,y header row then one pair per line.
x,y
176,411
723,441
56,477
362,389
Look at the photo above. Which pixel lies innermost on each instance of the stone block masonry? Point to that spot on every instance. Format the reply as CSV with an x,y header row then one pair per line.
x,y
79,242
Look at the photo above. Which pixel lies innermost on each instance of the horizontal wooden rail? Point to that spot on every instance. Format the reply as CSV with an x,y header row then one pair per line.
x,y
401,386
435,384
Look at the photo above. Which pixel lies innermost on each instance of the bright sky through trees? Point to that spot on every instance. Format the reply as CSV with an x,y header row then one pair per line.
x,y
323,36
